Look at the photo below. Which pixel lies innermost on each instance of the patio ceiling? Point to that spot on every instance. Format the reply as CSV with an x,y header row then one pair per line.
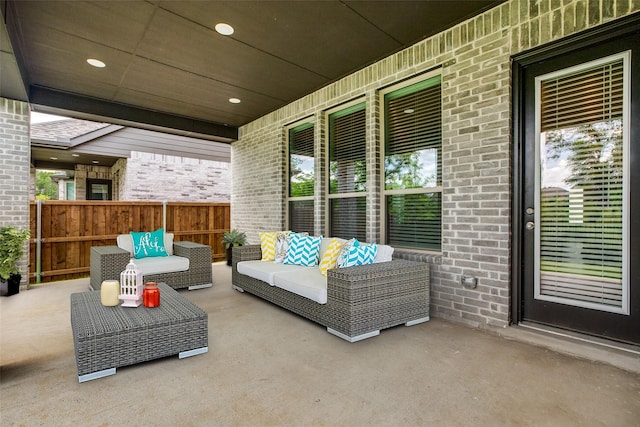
x,y
168,69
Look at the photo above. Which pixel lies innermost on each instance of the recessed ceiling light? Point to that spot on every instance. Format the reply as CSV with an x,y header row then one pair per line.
x,y
53,158
75,155
234,100
95,162
96,63
224,29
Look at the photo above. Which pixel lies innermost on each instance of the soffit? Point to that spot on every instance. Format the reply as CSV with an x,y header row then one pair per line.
x,y
168,68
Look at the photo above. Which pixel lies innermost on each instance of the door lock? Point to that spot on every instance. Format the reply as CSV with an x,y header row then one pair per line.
x,y
530,225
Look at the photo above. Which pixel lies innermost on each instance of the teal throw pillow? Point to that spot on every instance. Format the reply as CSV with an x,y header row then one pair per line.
x,y
360,255
303,250
148,243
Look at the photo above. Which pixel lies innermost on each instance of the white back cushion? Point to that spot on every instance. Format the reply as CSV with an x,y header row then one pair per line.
x,y
385,253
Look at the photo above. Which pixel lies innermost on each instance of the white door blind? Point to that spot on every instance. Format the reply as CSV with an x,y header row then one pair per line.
x,y
590,96
582,188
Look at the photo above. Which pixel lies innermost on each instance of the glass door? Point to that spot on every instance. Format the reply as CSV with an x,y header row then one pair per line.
x,y
579,234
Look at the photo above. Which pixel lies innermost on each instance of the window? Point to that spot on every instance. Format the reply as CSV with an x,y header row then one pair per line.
x,y
347,172
98,189
301,178
70,190
582,168
413,165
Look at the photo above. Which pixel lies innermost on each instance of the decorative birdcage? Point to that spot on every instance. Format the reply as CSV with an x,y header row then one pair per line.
x,y
131,286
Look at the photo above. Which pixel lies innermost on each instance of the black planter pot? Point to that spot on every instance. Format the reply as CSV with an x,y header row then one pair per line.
x,y
229,254
11,286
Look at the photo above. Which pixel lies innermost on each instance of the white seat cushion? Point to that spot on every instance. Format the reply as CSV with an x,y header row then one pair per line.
x,y
159,265
308,283
264,270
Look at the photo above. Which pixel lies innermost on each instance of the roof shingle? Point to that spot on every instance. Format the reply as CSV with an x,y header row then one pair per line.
x,y
64,129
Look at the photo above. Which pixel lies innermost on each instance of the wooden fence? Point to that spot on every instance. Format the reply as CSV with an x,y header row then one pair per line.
x,y
68,229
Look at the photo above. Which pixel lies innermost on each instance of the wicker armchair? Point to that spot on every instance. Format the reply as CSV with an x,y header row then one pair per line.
x,y
107,262
360,300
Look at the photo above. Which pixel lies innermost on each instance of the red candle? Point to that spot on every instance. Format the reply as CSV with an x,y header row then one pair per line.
x,y
151,295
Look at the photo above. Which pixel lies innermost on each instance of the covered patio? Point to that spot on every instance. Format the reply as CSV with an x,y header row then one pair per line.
x,y
266,366
483,359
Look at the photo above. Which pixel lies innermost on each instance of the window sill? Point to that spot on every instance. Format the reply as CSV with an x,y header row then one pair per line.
x,y
417,255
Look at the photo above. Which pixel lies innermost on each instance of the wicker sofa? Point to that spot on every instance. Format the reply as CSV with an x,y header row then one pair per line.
x,y
107,262
361,300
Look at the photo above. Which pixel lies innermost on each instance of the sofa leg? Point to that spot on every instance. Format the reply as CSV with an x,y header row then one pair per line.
x,y
415,322
206,285
353,339
193,352
96,375
237,288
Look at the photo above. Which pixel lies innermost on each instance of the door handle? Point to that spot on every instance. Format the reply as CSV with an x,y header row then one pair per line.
x,y
530,225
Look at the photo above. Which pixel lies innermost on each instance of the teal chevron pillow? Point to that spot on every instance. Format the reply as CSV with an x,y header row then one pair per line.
x,y
148,244
303,250
360,255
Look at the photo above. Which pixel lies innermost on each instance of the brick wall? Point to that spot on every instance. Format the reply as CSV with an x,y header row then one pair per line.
x,y
476,91
15,167
148,176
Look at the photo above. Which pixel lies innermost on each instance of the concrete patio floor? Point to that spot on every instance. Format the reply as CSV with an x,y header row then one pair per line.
x,y
268,367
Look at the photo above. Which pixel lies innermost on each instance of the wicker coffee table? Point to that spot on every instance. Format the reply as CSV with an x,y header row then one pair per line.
x,y
106,338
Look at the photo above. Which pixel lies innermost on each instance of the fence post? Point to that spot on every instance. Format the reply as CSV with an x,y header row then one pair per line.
x,y
164,215
38,240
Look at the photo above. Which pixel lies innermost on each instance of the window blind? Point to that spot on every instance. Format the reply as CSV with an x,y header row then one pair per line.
x,y
414,119
414,220
301,161
347,150
348,218
301,216
348,172
413,161
581,199
590,96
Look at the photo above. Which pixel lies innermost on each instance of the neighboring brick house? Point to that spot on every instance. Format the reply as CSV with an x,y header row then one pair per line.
x,y
126,163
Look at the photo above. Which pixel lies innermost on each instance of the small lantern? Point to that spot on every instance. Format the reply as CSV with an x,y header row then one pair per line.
x,y
131,286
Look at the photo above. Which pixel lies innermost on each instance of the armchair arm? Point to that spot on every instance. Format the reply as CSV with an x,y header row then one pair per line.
x,y
193,251
199,260
106,263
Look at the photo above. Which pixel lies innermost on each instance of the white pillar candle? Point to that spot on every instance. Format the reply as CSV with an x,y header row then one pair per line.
x,y
109,292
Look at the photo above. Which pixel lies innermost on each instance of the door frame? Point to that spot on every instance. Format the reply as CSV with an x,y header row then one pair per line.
x,y
520,62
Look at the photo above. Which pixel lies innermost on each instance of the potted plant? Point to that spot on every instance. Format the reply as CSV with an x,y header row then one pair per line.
x,y
233,238
12,242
